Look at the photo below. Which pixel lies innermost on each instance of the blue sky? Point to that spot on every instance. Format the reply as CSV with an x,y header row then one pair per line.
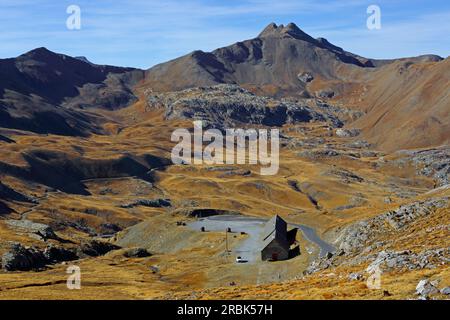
x,y
142,33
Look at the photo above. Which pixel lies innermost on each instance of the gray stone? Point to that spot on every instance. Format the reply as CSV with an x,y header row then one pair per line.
x,y
431,163
445,291
226,106
356,236
347,133
42,230
425,288
355,276
305,77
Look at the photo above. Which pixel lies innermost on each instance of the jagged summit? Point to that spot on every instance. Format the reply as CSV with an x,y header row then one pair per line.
x,y
276,56
269,30
274,30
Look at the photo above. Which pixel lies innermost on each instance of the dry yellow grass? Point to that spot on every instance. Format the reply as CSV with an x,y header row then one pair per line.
x,y
198,269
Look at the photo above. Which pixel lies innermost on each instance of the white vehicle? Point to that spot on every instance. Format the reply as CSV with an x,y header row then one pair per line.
x,y
240,260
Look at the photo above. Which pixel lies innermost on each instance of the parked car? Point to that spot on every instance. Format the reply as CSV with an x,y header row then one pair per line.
x,y
240,260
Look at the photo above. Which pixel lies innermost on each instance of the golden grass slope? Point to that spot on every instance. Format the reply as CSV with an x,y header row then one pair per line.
x,y
407,105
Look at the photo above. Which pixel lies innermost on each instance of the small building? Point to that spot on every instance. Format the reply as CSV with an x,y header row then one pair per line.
x,y
275,245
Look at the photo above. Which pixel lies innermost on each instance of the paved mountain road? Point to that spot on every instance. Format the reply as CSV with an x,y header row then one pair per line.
x,y
249,249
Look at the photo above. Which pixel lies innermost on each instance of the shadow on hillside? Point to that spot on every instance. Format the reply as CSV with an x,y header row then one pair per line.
x,y
66,173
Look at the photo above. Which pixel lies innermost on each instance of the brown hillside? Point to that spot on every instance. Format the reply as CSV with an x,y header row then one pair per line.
x,y
408,105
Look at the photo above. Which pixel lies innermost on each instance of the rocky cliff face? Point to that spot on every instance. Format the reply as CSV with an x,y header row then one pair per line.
x,y
226,106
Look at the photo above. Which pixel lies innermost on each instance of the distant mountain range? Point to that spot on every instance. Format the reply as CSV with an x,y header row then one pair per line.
x,y
406,101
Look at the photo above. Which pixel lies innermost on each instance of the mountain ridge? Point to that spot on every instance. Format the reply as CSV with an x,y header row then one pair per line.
x,y
48,92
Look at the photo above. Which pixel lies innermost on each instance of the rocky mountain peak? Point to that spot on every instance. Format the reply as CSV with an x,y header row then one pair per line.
x,y
269,30
274,30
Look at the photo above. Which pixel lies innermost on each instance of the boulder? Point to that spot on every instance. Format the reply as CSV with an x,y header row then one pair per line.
x,y
355,276
425,288
137,253
305,77
347,133
20,258
445,291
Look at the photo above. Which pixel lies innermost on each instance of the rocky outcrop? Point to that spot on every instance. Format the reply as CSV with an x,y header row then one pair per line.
x,y
344,175
358,242
386,260
42,231
357,236
137,253
347,133
95,248
228,106
305,77
55,254
431,163
153,203
21,258
425,288
407,260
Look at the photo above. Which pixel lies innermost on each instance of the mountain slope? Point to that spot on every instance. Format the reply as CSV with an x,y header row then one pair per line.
x,y
277,57
41,90
405,100
408,106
